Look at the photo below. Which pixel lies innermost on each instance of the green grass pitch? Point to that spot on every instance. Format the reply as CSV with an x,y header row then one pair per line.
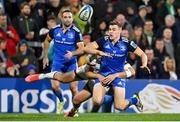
x,y
91,117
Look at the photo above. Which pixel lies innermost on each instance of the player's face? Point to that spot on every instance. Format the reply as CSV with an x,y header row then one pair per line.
x,y
114,32
67,19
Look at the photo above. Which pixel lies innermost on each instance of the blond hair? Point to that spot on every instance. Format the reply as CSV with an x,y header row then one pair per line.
x,y
165,64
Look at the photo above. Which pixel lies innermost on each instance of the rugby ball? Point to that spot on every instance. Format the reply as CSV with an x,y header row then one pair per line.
x,y
86,13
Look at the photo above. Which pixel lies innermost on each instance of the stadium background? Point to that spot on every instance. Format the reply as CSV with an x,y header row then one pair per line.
x,y
153,24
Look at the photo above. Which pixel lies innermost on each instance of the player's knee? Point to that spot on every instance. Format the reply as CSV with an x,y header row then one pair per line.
x,y
97,102
58,76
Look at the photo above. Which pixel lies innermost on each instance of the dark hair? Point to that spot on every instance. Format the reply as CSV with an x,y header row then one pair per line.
x,y
148,20
51,17
114,22
66,10
24,4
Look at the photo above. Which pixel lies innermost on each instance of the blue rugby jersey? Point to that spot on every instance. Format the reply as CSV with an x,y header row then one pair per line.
x,y
64,42
119,52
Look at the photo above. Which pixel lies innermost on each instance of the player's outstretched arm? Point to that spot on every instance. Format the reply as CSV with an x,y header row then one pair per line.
x,y
144,59
87,50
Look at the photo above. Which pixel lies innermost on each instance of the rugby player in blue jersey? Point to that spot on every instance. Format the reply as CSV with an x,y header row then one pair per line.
x,y
118,47
66,37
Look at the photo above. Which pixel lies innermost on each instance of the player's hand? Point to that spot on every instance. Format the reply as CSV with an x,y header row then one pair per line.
x,y
68,55
103,54
146,69
100,77
45,62
108,79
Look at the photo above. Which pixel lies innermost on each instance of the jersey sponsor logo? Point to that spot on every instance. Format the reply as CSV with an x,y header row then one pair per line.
x,y
116,55
64,42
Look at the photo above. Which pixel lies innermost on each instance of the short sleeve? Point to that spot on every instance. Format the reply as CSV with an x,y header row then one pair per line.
x,y
78,37
132,46
51,33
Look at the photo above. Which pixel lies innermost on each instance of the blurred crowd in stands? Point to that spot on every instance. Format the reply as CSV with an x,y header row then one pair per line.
x,y
153,24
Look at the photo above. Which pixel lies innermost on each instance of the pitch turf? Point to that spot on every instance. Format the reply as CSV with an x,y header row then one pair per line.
x,y
91,117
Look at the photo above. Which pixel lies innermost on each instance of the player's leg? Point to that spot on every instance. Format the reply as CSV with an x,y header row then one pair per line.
x,y
120,102
74,87
57,91
119,96
65,78
98,94
80,97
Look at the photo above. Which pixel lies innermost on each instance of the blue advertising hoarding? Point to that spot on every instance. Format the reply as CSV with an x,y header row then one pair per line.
x,y
17,96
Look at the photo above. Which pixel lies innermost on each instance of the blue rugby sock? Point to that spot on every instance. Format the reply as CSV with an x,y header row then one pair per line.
x,y
107,98
58,93
132,101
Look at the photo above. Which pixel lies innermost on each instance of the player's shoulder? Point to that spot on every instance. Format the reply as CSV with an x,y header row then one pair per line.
x,y
56,27
75,28
105,38
124,39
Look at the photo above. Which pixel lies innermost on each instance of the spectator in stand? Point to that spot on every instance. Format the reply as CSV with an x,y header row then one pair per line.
x,y
153,64
167,8
170,69
170,22
100,30
7,68
125,33
27,28
25,24
122,20
139,19
139,38
160,50
126,7
9,34
148,32
151,7
53,7
37,12
167,37
3,58
25,59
